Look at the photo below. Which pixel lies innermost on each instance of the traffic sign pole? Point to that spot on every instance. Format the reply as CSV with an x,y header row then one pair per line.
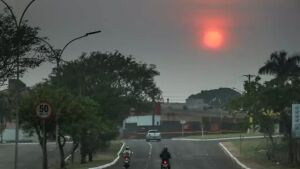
x,y
44,145
44,111
182,122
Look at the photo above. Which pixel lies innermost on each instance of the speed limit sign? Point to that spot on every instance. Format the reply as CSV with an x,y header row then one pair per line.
x,y
43,110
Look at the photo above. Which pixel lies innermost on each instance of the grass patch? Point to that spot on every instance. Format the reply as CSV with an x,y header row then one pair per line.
x,y
100,158
225,135
253,153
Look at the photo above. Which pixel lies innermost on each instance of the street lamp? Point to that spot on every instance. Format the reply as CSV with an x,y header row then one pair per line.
x,y
85,35
18,25
58,59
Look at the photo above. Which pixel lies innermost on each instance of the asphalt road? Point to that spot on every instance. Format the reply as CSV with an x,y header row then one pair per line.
x,y
30,156
185,155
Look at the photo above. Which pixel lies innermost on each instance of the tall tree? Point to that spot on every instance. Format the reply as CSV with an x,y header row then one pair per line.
x,y
283,67
110,79
29,120
287,71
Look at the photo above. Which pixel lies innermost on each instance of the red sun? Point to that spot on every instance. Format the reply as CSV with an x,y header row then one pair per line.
x,y
213,39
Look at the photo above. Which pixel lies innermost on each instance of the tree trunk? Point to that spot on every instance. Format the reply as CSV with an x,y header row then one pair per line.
x,y
75,146
90,156
61,144
1,137
291,151
83,147
82,155
298,152
42,142
272,146
288,132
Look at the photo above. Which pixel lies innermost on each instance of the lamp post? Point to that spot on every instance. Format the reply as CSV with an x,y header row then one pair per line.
x,y
58,59
58,56
18,24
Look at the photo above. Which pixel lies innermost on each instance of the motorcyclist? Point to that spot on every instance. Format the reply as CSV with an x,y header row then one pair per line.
x,y
165,155
127,152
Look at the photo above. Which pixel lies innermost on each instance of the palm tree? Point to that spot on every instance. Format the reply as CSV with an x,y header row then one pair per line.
x,y
283,67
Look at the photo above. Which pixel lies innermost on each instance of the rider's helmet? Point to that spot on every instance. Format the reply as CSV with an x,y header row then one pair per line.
x,y
127,148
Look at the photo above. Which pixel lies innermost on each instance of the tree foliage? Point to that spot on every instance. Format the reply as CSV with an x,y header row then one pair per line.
x,y
110,79
283,67
19,45
89,97
270,103
216,97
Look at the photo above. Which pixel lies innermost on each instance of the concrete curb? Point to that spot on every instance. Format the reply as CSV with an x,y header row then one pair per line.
x,y
30,143
111,163
222,139
227,152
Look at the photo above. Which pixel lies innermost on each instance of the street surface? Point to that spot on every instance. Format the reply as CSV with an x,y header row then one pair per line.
x,y
30,156
185,155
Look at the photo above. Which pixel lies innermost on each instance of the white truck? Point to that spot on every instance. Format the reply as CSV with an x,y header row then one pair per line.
x,y
153,135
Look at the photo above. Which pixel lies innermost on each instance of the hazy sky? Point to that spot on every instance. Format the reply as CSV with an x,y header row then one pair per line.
x,y
170,34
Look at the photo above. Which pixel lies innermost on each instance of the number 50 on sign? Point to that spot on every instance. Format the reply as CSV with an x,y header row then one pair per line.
x,y
43,110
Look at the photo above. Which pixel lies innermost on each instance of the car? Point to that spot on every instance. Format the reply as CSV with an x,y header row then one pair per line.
x,y
153,135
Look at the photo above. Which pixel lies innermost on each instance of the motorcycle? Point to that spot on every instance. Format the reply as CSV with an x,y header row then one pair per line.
x,y
165,164
126,162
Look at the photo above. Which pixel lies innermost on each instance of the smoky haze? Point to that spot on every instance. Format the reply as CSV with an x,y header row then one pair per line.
x,y
169,33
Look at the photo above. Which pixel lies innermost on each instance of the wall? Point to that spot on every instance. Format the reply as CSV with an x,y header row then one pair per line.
x,y
145,120
9,136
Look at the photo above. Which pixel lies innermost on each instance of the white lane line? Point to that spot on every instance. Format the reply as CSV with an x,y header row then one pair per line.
x,y
233,157
111,163
150,149
149,155
70,155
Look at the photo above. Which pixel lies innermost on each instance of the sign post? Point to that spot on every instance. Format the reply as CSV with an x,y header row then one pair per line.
x,y
182,122
43,111
296,120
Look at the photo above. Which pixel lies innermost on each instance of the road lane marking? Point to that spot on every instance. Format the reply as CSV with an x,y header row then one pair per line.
x,y
149,155
150,149
70,155
111,163
233,157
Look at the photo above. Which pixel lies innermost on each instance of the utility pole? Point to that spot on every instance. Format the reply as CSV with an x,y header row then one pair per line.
x,y
249,77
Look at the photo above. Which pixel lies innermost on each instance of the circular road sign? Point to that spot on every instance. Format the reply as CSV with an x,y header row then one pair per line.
x,y
43,110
